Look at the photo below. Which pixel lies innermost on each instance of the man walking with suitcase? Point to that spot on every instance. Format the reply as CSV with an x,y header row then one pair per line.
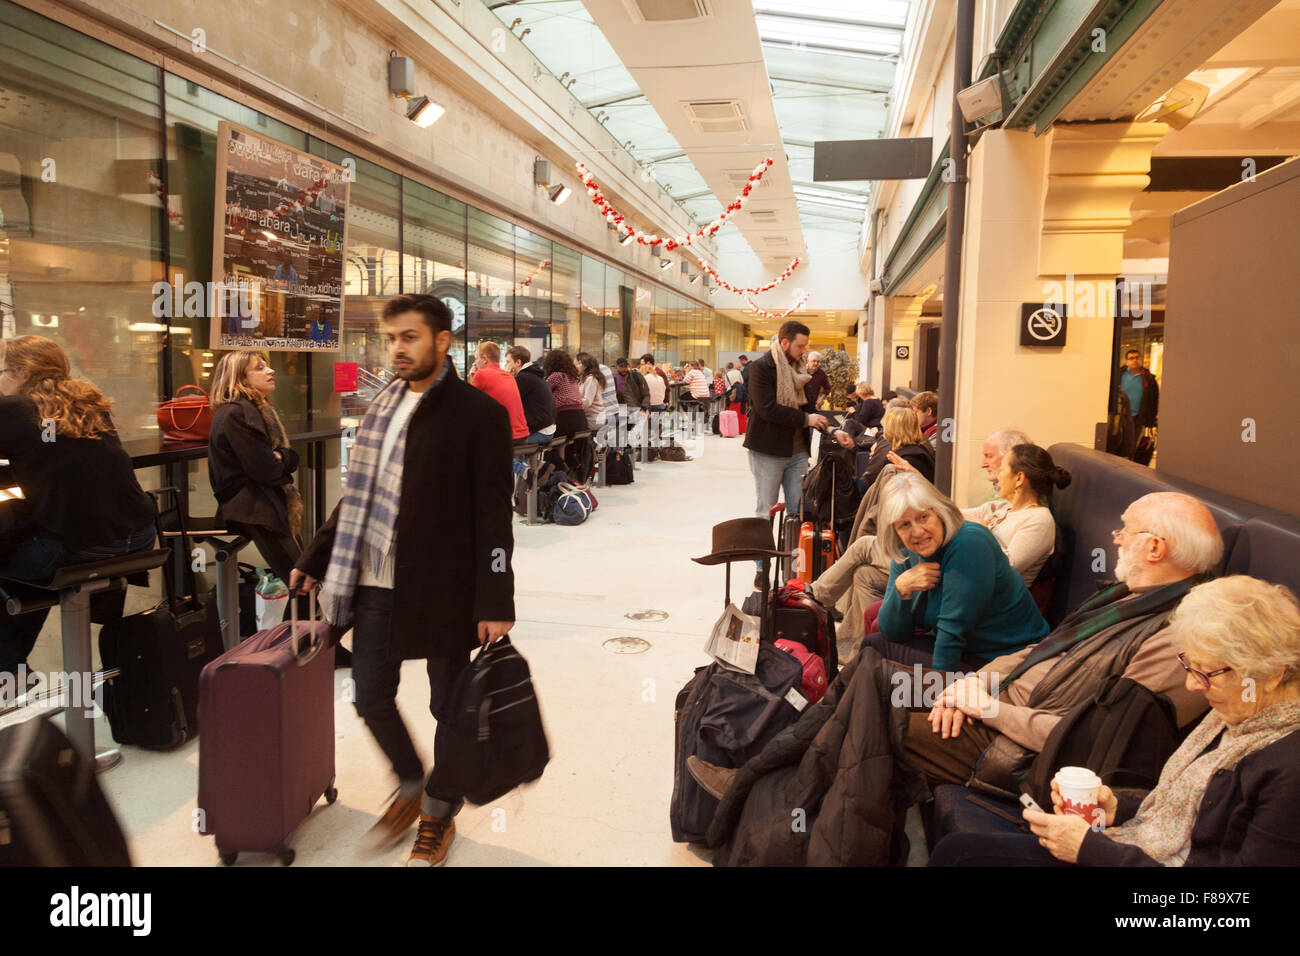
x,y
416,557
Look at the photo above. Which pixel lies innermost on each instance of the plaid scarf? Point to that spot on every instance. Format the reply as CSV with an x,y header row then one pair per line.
x,y
1079,626
1162,828
368,513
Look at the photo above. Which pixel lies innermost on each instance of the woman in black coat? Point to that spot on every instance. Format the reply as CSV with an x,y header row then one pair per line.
x,y
251,465
900,433
81,501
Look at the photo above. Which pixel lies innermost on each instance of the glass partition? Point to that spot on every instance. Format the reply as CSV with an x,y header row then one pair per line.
x,y
490,274
433,253
532,291
566,295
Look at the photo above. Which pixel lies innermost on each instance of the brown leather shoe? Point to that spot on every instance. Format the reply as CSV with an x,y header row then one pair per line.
x,y
397,819
432,841
715,780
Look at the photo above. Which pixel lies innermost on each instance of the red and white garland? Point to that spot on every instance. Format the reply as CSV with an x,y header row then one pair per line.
x,y
785,274
535,273
305,197
799,303
612,215
156,186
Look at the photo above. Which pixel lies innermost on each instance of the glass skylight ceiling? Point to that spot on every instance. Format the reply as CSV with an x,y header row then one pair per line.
x,y
831,64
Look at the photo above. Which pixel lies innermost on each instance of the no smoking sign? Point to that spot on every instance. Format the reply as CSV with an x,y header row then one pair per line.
x,y
1042,324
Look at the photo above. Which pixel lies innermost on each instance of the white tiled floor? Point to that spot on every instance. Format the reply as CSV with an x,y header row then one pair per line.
x,y
604,797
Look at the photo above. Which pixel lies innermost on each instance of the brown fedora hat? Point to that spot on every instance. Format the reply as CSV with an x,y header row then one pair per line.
x,y
741,539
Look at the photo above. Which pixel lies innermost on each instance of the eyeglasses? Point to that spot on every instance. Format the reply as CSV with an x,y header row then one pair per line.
x,y
1121,532
1201,676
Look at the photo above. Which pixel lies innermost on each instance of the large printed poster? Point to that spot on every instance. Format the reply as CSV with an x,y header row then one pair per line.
x,y
277,250
639,339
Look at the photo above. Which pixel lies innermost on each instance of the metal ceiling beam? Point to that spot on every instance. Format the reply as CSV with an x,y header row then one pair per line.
x,y
838,21
830,86
617,99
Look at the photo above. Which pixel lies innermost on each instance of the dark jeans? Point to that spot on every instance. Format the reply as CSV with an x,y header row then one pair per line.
x,y
992,849
36,558
377,673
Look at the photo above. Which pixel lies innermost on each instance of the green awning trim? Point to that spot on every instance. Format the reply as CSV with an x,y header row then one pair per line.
x,y
922,231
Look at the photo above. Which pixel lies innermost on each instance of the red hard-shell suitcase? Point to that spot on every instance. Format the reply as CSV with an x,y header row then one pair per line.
x,y
266,754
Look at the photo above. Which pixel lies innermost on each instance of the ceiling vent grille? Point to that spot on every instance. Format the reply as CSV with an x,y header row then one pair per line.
x,y
717,116
776,240
667,11
763,216
738,178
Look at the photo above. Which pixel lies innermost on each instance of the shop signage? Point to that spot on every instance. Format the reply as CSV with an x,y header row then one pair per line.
x,y
1042,324
278,243
902,351
345,377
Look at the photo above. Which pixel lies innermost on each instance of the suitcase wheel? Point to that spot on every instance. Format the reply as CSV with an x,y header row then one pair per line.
x,y
331,794
285,855
228,859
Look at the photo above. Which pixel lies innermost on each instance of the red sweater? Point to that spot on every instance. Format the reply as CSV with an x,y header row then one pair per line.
x,y
500,384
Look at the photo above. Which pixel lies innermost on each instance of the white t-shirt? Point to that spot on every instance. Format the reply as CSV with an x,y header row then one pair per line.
x,y
657,388
1028,536
383,577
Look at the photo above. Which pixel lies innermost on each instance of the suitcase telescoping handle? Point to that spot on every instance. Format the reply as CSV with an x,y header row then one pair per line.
x,y
316,643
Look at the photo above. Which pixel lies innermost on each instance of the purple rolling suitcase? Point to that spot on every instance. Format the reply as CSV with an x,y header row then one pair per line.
x,y
266,754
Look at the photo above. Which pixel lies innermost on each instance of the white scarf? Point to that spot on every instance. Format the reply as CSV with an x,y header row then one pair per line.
x,y
790,378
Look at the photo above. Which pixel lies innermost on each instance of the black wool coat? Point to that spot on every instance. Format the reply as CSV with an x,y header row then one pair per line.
x,y
247,479
772,426
454,535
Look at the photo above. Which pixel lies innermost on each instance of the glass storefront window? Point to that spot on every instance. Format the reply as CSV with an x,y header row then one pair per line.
x,y
193,113
532,291
616,309
433,254
565,298
593,305
491,280
371,276
80,219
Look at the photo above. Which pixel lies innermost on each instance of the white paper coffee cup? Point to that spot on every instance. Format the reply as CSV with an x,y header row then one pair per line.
x,y
1079,788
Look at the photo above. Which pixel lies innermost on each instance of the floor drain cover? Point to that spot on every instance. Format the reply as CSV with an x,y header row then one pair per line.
x,y
649,614
627,645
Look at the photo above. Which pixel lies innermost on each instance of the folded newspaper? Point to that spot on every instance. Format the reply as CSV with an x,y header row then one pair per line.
x,y
734,640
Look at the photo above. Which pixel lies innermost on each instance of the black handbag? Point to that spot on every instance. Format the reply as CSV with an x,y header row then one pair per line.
x,y
494,740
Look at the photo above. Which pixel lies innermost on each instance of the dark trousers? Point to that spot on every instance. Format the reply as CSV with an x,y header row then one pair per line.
x,y
377,671
36,558
280,554
992,849
919,650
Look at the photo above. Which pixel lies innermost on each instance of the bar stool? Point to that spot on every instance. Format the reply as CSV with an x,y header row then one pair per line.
x,y
71,589
226,545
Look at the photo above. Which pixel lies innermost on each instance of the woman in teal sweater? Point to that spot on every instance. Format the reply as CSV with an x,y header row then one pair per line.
x,y
951,581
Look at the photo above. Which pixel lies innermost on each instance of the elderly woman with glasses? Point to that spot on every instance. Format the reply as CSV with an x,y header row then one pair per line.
x,y
1229,795
953,601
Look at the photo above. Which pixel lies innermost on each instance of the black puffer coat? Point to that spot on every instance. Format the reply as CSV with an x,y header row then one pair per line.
x,y
843,764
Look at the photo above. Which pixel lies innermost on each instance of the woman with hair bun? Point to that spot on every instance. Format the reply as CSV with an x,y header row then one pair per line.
x,y
1019,517
81,501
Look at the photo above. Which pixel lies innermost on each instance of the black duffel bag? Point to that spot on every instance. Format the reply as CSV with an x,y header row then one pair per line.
x,y
493,740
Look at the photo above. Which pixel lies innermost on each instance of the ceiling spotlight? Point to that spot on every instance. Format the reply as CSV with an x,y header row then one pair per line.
x,y
695,278
558,193
713,290
424,112
665,263
628,240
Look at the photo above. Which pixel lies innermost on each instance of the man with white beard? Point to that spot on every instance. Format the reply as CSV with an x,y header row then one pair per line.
x,y
994,720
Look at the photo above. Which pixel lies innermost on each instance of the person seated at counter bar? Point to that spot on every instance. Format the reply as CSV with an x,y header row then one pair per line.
x,y
1228,795
81,501
251,466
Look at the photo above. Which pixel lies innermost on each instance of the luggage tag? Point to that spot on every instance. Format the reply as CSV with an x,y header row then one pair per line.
x,y
796,700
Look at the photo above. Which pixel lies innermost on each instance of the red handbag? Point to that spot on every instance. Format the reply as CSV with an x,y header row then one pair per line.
x,y
188,418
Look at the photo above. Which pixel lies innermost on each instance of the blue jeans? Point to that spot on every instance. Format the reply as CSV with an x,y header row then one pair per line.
x,y
771,475
36,559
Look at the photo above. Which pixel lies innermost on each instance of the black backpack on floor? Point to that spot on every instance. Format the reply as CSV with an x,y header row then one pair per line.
x,y
618,468
1125,735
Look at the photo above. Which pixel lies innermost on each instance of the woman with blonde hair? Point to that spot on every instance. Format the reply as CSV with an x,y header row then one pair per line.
x,y
56,432
900,433
250,463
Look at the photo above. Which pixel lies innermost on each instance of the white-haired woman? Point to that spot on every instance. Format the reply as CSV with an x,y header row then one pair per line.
x,y
1228,795
953,601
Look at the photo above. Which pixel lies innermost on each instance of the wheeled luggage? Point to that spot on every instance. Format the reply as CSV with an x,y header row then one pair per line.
x,y
153,702
52,811
741,418
267,754
729,424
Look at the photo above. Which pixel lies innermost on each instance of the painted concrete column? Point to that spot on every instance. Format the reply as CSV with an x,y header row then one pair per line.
x,y
1045,223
